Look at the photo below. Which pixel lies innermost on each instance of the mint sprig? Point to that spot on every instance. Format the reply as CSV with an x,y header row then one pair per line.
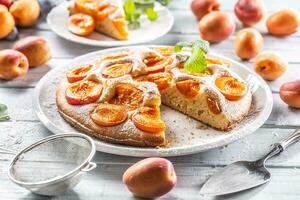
x,y
196,63
3,113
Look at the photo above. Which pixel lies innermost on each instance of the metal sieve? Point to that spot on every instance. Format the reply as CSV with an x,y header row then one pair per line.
x,y
54,164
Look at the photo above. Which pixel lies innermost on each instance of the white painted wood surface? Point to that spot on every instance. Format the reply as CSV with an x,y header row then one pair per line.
x,y
105,182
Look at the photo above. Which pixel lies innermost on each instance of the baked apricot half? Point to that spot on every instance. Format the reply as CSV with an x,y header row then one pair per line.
x,y
213,105
78,73
231,88
83,92
104,10
127,95
114,56
162,80
156,64
117,70
86,6
81,24
109,115
165,51
148,119
189,88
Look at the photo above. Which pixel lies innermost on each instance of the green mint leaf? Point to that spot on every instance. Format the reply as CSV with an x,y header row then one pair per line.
x,y
151,14
196,63
3,113
180,45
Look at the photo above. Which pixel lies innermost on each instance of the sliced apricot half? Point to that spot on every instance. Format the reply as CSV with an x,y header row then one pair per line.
x,y
104,10
86,6
114,56
162,80
127,95
165,51
156,64
83,92
117,70
189,88
109,115
231,88
148,119
213,105
81,24
78,73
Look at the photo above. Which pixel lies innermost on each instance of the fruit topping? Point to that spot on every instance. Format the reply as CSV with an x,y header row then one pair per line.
x,y
189,88
165,51
83,92
109,115
78,73
104,10
162,80
81,24
213,105
86,6
127,95
148,119
231,88
156,64
114,56
117,70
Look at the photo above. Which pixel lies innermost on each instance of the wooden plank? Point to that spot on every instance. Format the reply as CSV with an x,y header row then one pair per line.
x,y
105,182
17,135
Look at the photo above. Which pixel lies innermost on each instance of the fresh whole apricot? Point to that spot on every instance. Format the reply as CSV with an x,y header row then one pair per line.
x,y
150,178
13,64
290,93
202,7
250,12
284,22
7,22
35,48
25,12
6,3
270,65
248,43
216,26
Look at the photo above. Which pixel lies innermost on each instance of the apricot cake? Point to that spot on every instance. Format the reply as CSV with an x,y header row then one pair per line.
x,y
116,97
104,16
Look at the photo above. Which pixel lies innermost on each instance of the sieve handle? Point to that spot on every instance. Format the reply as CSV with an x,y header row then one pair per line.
x,y
90,166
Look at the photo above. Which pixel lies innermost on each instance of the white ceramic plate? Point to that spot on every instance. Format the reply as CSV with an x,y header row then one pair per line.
x,y
184,132
58,20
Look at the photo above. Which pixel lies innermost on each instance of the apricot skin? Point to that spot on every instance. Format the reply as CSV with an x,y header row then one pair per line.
x,y
13,64
25,12
290,93
284,22
248,43
216,26
250,12
270,65
150,178
7,22
202,7
35,48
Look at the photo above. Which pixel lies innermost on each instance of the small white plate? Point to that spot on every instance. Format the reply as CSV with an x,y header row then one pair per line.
x,y
183,131
58,21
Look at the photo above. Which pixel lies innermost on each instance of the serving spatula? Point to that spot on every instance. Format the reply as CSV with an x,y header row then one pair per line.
x,y
243,175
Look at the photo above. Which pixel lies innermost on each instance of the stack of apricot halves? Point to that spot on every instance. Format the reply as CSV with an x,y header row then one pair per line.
x,y
216,26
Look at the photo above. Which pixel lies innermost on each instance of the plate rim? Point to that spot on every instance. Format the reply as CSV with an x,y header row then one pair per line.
x,y
165,152
97,43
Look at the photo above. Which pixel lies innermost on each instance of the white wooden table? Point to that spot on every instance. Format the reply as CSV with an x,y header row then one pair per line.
x,y
105,182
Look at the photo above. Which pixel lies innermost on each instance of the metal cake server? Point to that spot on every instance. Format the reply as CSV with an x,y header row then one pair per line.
x,y
243,175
